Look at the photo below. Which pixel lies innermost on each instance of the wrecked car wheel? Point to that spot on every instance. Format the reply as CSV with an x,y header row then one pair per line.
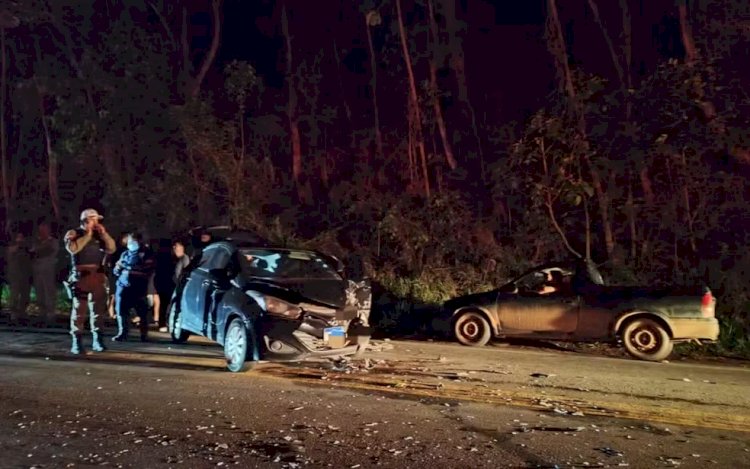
x,y
471,328
176,332
647,339
236,346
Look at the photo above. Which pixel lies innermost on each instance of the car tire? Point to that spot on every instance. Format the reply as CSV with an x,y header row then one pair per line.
x,y
472,328
237,342
646,339
178,335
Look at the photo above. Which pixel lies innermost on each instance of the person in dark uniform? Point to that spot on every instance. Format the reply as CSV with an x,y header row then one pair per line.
x,y
18,272
133,270
44,266
88,246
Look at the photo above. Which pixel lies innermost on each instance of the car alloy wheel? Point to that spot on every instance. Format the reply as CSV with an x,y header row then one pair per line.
x,y
646,339
471,328
236,346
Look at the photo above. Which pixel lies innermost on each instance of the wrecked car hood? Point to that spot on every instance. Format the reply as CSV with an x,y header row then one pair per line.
x,y
326,292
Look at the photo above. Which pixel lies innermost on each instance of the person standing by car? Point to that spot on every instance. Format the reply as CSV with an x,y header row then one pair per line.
x,y
163,283
133,270
18,262
88,246
44,267
122,246
181,260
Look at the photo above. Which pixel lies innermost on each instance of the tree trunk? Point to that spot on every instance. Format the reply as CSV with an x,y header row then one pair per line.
x,y
627,33
374,18
51,158
3,132
647,186
437,56
13,166
347,109
456,61
185,71
685,190
608,41
292,104
195,85
549,202
415,116
630,210
557,45
202,196
691,54
603,202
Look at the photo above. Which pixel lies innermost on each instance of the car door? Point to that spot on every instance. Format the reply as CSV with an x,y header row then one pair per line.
x,y
193,299
216,283
527,312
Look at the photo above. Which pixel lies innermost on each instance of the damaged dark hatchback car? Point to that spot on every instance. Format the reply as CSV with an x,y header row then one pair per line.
x,y
270,303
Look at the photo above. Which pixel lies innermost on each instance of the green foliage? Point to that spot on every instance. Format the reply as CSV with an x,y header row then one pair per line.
x,y
241,81
124,133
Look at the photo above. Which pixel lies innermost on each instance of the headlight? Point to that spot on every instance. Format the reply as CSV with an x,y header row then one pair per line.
x,y
281,308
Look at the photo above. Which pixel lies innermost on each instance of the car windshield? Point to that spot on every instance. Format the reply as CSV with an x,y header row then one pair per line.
x,y
270,263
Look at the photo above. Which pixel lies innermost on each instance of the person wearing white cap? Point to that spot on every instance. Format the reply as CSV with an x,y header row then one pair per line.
x,y
88,246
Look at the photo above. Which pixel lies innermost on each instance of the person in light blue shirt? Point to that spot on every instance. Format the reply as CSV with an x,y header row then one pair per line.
x,y
133,270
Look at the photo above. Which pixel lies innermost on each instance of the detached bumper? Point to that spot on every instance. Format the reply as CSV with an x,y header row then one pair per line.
x,y
288,344
695,328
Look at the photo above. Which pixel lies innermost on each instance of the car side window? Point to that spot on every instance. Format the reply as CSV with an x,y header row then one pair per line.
x,y
531,284
546,282
215,258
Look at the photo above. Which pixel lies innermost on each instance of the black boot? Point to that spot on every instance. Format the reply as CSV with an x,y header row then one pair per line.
x,y
76,347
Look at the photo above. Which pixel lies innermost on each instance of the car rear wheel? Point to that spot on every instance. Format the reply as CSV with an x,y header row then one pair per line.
x,y
176,332
471,328
236,346
646,339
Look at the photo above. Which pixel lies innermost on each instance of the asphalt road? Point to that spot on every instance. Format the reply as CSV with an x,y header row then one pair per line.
x,y
409,404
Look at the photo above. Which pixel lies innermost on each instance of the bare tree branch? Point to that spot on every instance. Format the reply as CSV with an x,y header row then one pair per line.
x,y
211,55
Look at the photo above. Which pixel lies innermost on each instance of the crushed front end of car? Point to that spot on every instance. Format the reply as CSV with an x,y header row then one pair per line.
x,y
309,307
295,330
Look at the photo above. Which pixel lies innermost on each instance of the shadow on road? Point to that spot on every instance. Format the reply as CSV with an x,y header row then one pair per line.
x,y
122,358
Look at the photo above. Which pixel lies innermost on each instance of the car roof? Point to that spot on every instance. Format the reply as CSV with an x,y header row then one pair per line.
x,y
239,237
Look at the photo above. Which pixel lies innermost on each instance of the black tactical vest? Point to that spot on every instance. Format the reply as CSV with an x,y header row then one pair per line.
x,y
92,254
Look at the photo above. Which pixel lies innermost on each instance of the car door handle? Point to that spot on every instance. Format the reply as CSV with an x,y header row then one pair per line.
x,y
207,283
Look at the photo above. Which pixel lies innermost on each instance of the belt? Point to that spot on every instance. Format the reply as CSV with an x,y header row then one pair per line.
x,y
88,269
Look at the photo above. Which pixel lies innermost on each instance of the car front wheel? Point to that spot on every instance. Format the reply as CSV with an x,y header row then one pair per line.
x,y
471,328
176,332
647,339
236,346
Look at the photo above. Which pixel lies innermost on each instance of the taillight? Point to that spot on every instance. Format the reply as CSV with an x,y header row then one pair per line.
x,y
708,305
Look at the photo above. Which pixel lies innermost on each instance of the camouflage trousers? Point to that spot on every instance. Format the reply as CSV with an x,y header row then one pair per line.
x,y
89,296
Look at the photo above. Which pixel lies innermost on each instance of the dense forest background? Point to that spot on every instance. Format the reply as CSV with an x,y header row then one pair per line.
x,y
449,144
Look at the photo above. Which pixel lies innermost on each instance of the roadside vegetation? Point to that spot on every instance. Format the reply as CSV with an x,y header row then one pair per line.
x,y
644,168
